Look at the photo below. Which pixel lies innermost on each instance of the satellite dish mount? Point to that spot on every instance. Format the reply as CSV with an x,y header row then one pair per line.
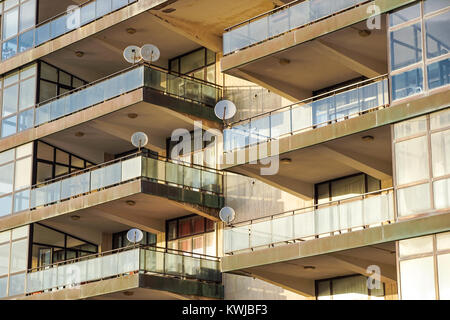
x,y
139,140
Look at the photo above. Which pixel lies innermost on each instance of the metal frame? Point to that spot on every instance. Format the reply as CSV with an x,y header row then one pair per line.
x,y
434,253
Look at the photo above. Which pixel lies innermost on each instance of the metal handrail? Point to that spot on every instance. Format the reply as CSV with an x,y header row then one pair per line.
x,y
281,8
316,206
267,13
322,95
123,249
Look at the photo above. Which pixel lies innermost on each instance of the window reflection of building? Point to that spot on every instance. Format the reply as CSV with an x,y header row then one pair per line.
x,y
192,234
19,19
414,60
50,246
422,164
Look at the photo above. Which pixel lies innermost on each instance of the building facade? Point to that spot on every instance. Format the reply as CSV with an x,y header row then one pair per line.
x,y
336,162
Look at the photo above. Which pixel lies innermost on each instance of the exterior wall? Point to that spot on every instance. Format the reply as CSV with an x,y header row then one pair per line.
x,y
248,288
252,199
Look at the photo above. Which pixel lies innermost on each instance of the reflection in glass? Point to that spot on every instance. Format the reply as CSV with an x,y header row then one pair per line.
x,y
437,36
407,83
439,73
406,46
404,14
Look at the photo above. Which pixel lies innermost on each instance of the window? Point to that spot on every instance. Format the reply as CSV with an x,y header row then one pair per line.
x,y
192,234
411,158
50,246
409,66
199,64
15,178
437,37
52,162
120,239
53,82
438,73
13,261
347,288
19,97
345,187
406,46
407,84
421,261
19,19
421,177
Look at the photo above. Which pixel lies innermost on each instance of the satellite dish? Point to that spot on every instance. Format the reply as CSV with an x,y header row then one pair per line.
x,y
225,109
132,54
150,53
139,139
227,214
135,235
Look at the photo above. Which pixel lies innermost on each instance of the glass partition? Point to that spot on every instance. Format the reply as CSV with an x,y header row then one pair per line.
x,y
21,33
187,176
366,210
314,112
183,87
125,261
281,20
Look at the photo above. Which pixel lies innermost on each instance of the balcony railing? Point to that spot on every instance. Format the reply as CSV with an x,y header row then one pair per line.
x,y
280,20
180,86
122,262
337,216
333,106
205,184
65,22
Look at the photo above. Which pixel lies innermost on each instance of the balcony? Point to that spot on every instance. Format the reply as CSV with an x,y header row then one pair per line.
x,y
103,192
334,106
61,24
280,20
182,87
191,270
142,89
340,216
203,181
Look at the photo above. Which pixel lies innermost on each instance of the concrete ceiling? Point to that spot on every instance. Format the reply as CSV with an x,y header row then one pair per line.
x,y
140,294
299,275
329,60
103,52
210,18
112,133
149,213
175,33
